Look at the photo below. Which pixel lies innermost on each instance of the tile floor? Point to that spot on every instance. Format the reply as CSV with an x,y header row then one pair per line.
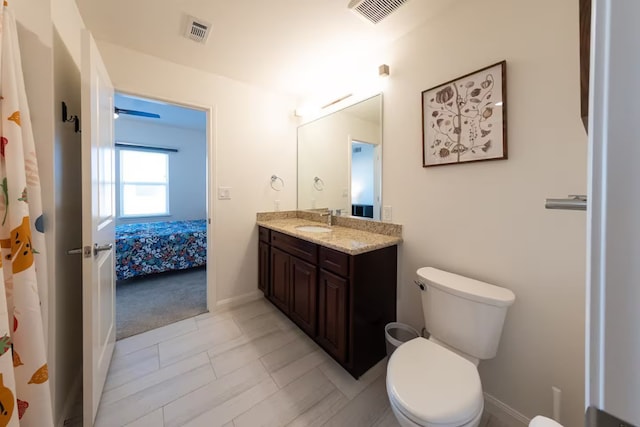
x,y
246,366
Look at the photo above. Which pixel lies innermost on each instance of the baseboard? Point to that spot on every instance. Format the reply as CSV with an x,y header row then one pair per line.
x,y
505,413
70,401
241,299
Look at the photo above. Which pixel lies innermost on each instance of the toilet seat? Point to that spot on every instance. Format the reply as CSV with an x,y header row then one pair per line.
x,y
431,385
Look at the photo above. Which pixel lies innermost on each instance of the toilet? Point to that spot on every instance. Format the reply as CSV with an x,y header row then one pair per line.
x,y
435,382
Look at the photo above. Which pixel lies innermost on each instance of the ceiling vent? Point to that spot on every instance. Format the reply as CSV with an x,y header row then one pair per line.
x,y
375,10
197,30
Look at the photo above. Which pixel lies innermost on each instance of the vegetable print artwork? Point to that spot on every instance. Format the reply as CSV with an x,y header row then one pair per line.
x,y
464,120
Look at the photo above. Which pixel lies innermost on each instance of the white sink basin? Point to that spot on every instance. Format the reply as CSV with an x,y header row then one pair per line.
x,y
314,229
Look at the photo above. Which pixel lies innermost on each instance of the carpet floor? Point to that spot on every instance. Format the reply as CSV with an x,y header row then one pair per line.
x,y
159,299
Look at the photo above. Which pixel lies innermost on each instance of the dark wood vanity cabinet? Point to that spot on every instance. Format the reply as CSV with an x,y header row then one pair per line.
x,y
342,301
303,297
264,259
332,314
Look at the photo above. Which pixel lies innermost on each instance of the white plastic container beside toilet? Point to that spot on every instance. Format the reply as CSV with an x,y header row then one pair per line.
x,y
541,421
435,382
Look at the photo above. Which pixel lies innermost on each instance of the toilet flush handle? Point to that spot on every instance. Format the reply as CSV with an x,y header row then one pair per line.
x,y
420,285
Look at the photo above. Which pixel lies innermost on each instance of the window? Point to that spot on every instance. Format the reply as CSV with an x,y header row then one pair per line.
x,y
144,183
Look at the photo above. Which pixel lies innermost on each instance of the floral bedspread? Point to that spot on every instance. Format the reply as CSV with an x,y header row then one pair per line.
x,y
155,247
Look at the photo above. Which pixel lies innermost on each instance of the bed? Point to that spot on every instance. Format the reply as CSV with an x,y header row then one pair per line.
x,y
155,247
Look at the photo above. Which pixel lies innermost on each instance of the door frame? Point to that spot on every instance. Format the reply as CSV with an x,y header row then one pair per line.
x,y
211,183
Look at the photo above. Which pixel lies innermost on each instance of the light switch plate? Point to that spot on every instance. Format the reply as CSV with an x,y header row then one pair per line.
x,y
386,213
224,193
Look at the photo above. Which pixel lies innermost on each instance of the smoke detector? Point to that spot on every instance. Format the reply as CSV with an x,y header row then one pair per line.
x,y
375,10
197,30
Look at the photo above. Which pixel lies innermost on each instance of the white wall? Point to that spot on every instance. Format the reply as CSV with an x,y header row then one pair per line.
x,y
254,138
187,167
486,220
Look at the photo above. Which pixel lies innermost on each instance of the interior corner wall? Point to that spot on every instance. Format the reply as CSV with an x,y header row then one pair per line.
x,y
68,210
486,220
187,167
254,133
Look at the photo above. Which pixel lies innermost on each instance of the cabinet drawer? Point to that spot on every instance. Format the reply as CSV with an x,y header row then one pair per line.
x,y
264,234
300,248
334,261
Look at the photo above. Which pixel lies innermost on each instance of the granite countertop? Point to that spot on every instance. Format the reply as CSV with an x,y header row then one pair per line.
x,y
344,239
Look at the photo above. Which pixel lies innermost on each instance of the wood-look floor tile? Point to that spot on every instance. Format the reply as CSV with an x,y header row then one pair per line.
x,y
159,376
294,350
270,320
153,419
128,367
348,385
131,408
226,412
388,419
211,318
252,309
322,411
213,394
365,409
197,341
288,403
299,367
253,350
154,336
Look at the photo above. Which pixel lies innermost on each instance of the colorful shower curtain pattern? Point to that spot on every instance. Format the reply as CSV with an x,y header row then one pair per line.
x,y
25,398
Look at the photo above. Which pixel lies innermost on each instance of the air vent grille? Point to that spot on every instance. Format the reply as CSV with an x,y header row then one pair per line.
x,y
375,10
197,30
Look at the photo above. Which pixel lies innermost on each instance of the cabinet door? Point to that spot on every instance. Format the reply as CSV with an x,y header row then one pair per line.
x,y
263,267
280,279
302,302
332,314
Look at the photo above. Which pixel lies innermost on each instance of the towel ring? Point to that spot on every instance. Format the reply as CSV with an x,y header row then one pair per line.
x,y
318,184
274,179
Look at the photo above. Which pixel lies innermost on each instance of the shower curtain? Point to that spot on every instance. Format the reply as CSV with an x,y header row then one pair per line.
x,y
25,398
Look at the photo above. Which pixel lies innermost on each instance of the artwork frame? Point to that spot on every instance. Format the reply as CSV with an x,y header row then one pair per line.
x,y
471,128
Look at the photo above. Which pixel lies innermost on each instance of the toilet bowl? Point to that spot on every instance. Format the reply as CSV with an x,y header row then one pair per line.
x,y
435,382
429,385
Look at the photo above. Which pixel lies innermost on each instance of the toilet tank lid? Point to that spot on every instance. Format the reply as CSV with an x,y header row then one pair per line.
x,y
465,287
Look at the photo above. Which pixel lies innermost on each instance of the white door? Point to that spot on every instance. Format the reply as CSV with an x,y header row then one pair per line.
x,y
98,226
613,293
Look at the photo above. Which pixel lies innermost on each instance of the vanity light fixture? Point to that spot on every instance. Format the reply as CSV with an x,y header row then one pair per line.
x,y
383,70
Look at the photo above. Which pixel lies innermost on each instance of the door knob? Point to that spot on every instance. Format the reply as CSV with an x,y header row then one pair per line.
x,y
99,248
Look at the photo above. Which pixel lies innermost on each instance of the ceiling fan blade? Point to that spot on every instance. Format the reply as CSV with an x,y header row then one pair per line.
x,y
136,113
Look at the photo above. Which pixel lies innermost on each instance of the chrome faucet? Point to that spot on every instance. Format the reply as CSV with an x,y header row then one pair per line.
x,y
329,217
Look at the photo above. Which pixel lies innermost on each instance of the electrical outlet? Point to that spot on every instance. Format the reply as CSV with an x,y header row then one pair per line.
x,y
386,213
276,205
345,192
224,193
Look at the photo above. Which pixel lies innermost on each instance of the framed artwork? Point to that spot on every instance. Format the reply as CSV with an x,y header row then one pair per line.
x,y
465,120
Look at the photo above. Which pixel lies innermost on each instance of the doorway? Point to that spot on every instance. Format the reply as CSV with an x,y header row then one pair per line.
x,y
162,213
365,179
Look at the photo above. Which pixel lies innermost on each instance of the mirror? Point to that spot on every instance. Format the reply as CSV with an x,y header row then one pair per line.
x,y
340,158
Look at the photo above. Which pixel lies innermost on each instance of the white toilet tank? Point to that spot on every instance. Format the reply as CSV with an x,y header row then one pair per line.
x,y
464,313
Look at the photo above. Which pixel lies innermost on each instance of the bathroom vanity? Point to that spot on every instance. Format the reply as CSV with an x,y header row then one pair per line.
x,y
338,286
